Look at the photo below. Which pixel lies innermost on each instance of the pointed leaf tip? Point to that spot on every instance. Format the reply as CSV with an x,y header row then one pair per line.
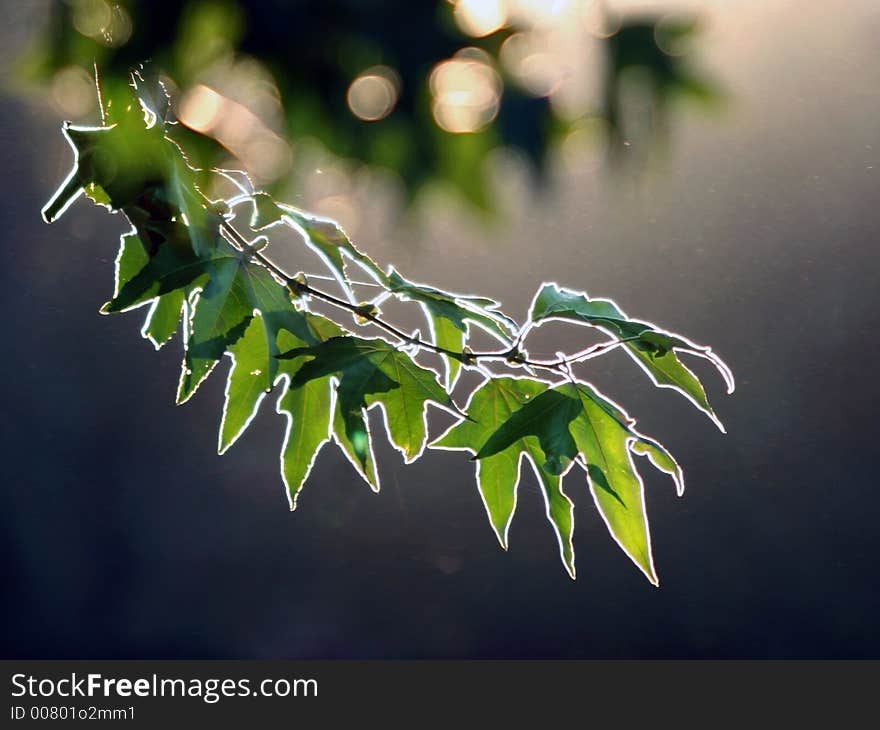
x,y
655,350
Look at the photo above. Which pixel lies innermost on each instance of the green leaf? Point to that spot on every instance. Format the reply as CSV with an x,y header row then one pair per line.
x,y
314,416
573,423
491,406
357,445
445,334
308,410
197,212
603,440
322,235
236,289
374,372
163,317
653,349
221,314
272,299
255,364
246,386
131,258
170,269
660,458
449,314
547,416
112,164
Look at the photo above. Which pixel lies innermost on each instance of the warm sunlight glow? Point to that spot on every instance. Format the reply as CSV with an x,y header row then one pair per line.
x,y
342,209
373,94
480,18
199,108
533,60
265,155
102,21
543,12
467,92
598,21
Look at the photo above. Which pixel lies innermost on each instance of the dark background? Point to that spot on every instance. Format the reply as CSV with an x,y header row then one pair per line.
x,y
124,535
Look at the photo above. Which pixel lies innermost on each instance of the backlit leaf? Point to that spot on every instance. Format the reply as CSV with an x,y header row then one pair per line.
x,y
322,235
491,405
655,350
185,259
221,314
574,424
449,315
163,317
375,372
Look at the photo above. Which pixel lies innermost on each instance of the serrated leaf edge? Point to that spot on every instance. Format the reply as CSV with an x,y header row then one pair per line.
x,y
503,539
701,351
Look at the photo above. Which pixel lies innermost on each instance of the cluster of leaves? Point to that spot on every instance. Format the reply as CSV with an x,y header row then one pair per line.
x,y
187,261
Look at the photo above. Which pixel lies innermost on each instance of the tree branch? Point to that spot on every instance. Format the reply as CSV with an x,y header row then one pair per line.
x,y
513,356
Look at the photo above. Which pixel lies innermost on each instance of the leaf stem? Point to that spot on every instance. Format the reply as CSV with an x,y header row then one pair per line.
x,y
513,356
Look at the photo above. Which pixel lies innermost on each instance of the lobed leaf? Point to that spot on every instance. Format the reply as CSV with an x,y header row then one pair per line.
x,y
164,315
573,423
314,415
498,475
654,350
322,235
375,372
221,313
448,316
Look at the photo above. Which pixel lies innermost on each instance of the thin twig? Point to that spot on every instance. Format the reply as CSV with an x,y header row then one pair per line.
x,y
512,356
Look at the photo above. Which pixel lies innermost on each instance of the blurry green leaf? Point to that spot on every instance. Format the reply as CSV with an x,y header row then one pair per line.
x,y
655,350
208,30
491,406
462,162
113,164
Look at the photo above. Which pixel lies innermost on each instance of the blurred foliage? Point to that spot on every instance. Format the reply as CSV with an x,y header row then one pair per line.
x,y
291,64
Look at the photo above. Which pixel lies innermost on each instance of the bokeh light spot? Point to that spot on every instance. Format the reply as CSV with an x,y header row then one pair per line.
x,y
105,22
466,91
533,61
200,108
373,94
73,92
480,18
